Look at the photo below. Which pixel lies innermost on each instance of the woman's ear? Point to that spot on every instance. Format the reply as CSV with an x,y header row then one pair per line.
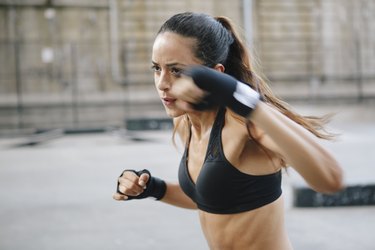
x,y
219,67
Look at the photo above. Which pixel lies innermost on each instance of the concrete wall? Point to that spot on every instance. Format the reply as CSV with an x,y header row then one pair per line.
x,y
79,63
321,48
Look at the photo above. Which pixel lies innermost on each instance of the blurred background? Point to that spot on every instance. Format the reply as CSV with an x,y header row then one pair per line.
x,y
78,105
63,62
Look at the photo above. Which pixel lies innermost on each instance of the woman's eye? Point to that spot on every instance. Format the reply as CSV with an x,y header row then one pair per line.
x,y
176,71
155,68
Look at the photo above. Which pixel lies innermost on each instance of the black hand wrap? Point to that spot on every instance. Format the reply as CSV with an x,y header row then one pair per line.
x,y
155,187
223,89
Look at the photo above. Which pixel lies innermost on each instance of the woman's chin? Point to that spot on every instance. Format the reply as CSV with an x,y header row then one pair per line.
x,y
173,113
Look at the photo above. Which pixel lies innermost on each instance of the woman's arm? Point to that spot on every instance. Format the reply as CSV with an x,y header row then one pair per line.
x,y
176,197
134,185
300,149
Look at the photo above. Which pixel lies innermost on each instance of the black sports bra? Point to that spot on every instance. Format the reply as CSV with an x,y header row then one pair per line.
x,y
220,187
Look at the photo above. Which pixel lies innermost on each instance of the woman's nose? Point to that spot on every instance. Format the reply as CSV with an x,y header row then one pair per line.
x,y
163,82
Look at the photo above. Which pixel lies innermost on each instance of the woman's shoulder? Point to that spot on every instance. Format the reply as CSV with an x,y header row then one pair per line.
x,y
247,132
242,127
248,145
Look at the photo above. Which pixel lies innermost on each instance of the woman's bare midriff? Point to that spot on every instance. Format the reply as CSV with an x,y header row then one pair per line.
x,y
258,229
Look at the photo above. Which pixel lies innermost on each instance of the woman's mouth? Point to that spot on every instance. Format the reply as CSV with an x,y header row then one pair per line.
x,y
168,101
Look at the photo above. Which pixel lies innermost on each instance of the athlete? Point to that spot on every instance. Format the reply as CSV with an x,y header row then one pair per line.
x,y
238,137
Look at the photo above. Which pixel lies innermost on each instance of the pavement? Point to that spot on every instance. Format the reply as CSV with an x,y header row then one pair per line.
x,y
58,194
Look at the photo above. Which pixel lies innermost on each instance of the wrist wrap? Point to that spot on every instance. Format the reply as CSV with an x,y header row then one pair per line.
x,y
155,187
223,89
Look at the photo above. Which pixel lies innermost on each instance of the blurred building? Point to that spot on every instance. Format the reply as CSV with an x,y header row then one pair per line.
x,y
79,64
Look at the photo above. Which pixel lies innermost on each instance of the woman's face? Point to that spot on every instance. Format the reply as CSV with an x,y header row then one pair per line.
x,y
171,54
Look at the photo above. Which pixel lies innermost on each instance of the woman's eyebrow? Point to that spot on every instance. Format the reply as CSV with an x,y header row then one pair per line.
x,y
175,64
171,64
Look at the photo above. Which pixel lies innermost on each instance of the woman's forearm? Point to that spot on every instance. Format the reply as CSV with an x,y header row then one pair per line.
x,y
176,197
300,149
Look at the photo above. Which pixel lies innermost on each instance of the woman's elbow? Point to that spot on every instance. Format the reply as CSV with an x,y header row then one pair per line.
x,y
335,186
334,183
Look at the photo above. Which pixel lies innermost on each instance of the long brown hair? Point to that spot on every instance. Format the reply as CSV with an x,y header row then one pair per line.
x,y
217,41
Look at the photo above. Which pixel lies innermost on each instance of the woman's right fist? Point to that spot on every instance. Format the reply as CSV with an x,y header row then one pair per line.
x,y
130,184
139,185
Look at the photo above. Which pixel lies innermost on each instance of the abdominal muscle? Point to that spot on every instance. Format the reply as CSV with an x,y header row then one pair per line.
x,y
261,228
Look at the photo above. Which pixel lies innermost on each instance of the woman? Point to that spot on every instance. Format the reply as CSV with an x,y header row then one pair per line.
x,y
238,137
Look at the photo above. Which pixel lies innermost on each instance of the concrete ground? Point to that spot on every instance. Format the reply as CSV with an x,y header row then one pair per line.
x,y
58,195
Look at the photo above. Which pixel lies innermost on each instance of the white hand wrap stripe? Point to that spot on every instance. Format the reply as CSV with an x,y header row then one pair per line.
x,y
246,95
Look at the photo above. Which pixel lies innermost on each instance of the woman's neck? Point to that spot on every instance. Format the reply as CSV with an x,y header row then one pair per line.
x,y
201,122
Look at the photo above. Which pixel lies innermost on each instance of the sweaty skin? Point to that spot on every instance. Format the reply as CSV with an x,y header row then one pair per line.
x,y
258,229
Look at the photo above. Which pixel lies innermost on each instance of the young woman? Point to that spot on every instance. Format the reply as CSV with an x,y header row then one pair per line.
x,y
238,137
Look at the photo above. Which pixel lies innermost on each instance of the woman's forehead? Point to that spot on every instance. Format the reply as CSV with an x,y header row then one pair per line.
x,y
172,46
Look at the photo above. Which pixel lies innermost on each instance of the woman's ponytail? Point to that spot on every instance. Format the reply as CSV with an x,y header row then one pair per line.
x,y
238,62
